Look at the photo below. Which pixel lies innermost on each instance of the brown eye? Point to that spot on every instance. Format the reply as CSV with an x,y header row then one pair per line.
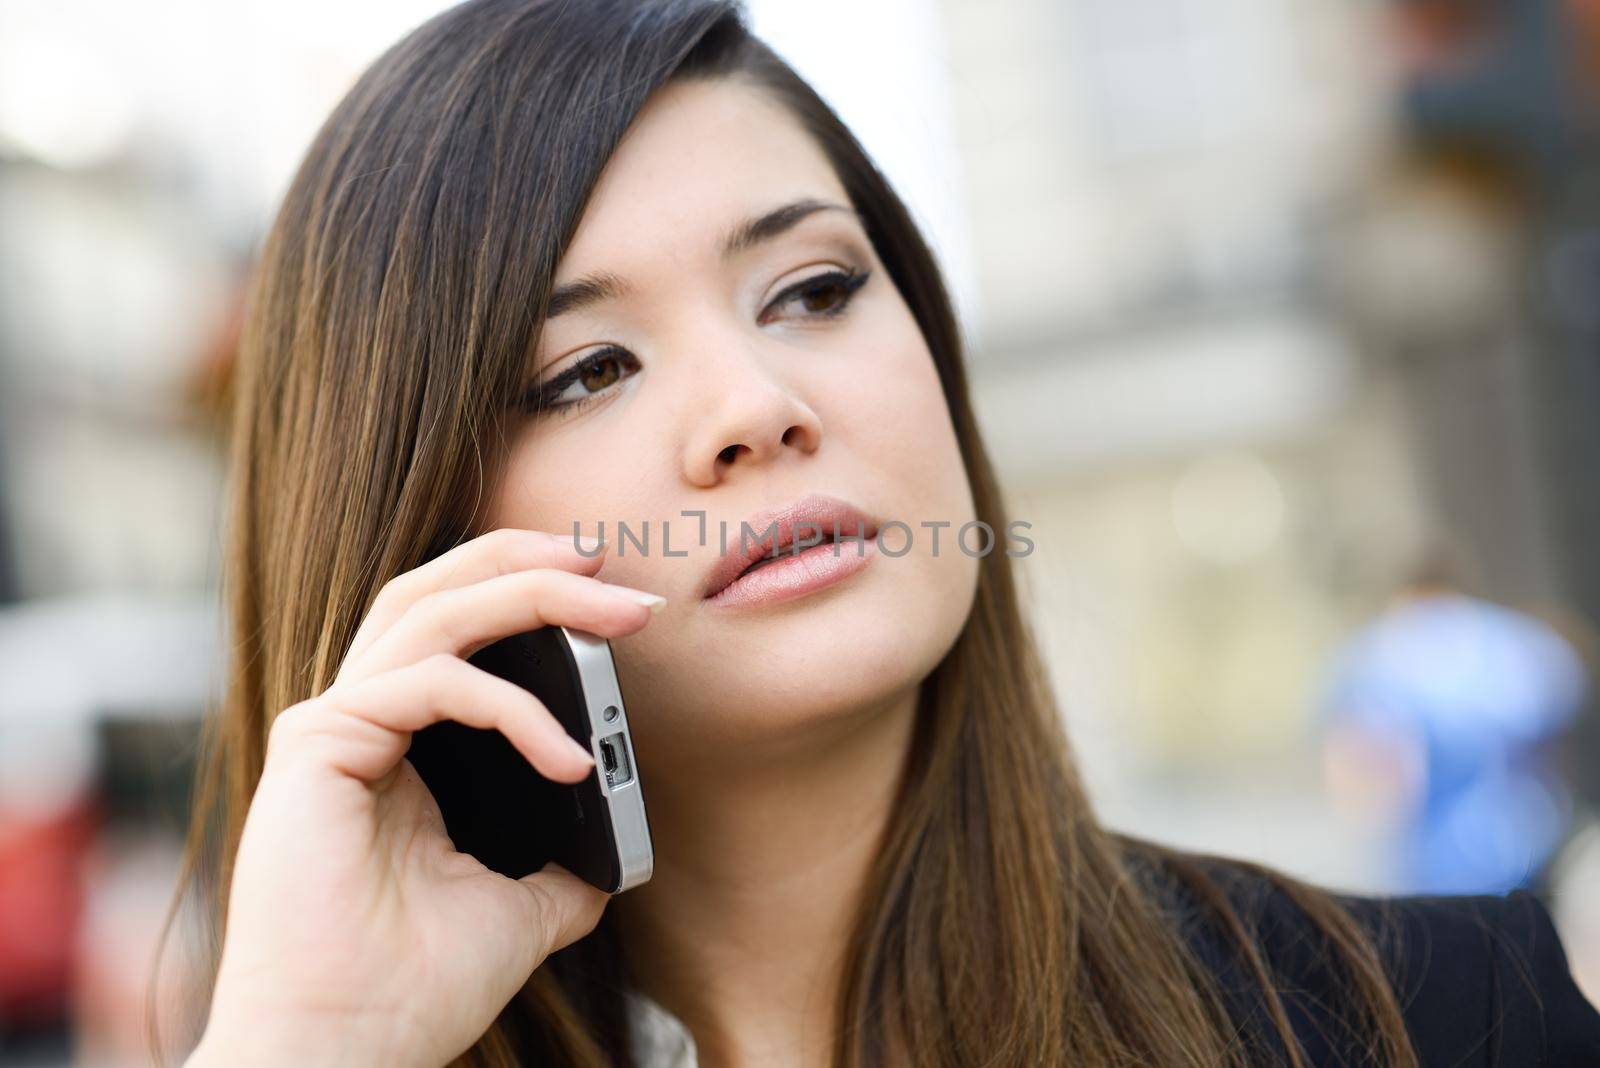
x,y
821,297
600,373
588,381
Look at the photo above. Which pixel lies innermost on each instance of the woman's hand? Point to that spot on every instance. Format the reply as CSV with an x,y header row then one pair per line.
x,y
356,934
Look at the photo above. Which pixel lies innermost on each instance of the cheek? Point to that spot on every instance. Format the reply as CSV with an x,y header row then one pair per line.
x,y
555,482
900,425
540,489
897,423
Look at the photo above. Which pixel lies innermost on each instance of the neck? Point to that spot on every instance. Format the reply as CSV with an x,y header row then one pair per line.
x,y
760,866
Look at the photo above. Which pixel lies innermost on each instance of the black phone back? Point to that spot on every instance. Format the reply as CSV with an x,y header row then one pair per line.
x,y
496,806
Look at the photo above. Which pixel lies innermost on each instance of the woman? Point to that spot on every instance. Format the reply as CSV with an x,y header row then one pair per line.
x,y
551,265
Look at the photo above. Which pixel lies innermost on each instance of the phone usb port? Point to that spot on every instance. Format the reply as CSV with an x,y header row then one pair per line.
x,y
614,760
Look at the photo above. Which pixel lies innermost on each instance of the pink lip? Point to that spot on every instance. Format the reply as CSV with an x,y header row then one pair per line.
x,y
792,574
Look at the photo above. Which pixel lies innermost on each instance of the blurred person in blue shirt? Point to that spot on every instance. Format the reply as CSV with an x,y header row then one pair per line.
x,y
1442,718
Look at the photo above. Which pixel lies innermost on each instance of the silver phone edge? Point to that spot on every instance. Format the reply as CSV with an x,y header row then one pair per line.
x,y
635,853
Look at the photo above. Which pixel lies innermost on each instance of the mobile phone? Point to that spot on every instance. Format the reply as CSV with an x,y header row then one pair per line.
x,y
499,809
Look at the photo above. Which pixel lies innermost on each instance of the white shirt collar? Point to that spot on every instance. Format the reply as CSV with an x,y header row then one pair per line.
x,y
660,1039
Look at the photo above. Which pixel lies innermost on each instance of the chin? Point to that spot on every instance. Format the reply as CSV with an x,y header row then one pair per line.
x,y
785,671
846,657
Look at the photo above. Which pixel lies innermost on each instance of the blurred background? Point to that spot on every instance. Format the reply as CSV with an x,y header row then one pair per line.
x,y
1283,326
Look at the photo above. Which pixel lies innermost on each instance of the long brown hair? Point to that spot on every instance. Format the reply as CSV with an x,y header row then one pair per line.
x,y
389,326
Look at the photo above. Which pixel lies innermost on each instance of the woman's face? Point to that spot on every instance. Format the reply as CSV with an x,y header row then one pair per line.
x,y
719,398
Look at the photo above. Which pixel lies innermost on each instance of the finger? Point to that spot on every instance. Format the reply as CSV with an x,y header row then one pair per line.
x,y
499,552
564,907
460,621
363,729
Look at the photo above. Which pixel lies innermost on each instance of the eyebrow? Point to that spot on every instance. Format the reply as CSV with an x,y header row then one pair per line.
x,y
604,285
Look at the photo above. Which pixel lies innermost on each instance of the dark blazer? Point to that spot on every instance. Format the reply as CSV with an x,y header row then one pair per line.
x,y
1481,981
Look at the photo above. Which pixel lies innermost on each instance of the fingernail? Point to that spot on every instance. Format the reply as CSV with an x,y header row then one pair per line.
x,y
580,750
652,601
587,542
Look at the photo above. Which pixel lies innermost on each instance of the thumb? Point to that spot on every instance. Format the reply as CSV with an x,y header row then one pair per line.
x,y
566,908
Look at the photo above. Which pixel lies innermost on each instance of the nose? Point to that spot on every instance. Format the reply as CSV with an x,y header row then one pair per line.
x,y
752,417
